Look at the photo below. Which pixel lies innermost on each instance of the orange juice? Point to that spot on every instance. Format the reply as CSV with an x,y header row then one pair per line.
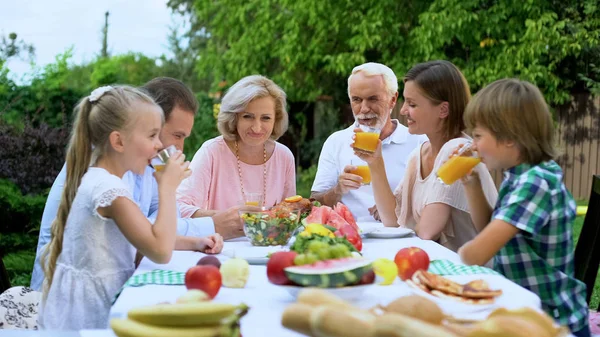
x,y
251,203
366,141
159,167
456,168
364,172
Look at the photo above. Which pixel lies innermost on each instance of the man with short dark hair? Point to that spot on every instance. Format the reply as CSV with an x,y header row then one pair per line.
x,y
179,105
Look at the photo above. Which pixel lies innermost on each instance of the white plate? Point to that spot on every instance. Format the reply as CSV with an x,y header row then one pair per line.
x,y
367,227
390,232
254,255
349,293
451,306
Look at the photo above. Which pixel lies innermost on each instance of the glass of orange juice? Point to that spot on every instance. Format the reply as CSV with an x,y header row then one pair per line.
x,y
367,139
362,170
253,199
160,161
458,166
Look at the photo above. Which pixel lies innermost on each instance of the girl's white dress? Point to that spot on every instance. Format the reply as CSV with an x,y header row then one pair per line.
x,y
95,262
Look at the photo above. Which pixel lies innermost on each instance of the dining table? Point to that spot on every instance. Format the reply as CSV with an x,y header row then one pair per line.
x,y
267,301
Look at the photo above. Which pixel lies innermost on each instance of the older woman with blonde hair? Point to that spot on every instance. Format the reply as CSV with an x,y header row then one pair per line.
x,y
246,159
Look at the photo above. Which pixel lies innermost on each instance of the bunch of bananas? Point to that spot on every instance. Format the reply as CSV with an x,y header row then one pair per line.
x,y
192,319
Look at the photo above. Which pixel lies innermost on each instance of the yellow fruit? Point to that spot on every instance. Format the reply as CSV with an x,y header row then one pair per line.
x,y
314,228
234,273
193,295
295,198
130,328
386,269
182,314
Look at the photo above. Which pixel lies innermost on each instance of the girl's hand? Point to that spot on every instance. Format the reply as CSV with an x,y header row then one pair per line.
x,y
369,157
212,244
174,172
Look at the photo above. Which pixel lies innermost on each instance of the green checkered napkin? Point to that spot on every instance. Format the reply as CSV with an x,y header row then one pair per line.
x,y
156,276
445,267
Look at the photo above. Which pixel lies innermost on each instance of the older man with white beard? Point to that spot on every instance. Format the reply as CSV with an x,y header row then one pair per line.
x,y
373,92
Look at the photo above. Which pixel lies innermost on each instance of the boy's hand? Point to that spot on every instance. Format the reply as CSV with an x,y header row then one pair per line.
x,y
212,244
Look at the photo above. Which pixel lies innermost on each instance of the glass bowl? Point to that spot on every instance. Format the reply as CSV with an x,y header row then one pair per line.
x,y
269,227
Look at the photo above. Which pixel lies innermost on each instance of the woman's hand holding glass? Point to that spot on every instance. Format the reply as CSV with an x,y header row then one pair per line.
x,y
367,156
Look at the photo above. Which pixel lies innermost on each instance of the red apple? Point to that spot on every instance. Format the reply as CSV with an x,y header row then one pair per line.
x,y
276,265
367,278
409,260
206,278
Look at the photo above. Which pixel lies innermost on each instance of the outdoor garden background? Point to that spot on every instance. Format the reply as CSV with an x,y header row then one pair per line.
x,y
309,48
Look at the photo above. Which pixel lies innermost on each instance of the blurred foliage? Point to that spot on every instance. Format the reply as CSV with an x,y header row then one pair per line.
x,y
309,47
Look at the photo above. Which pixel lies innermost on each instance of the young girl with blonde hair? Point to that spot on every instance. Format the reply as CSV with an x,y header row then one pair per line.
x,y
98,226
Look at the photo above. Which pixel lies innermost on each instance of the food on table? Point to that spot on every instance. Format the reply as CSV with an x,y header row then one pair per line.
x,y
367,278
474,292
330,321
276,265
541,319
343,210
416,306
304,239
209,260
335,217
298,203
397,325
386,269
193,295
409,260
321,251
315,228
316,296
182,319
272,227
205,278
351,235
329,273
334,317
234,273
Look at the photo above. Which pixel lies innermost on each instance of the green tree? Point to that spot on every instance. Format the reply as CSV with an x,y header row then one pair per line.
x,y
310,46
12,47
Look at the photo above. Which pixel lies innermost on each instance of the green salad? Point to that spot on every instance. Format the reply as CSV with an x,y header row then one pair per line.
x,y
270,228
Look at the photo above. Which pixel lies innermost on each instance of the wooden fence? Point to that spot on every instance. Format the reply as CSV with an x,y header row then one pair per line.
x,y
578,135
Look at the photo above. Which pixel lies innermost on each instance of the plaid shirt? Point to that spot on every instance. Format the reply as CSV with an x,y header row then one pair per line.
x,y
540,257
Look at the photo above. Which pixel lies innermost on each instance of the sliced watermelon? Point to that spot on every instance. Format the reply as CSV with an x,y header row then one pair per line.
x,y
329,273
318,215
336,220
343,210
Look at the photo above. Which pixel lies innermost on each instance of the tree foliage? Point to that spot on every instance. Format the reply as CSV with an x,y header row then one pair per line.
x,y
309,47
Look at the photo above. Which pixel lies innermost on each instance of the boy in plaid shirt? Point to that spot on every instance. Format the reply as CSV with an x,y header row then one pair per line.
x,y
530,236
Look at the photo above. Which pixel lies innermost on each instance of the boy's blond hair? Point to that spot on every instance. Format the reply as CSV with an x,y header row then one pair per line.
x,y
515,110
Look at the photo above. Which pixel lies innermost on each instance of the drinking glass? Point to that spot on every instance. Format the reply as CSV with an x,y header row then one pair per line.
x,y
160,160
459,165
367,139
253,199
362,169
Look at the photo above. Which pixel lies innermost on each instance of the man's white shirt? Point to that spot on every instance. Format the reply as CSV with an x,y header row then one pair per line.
x,y
337,153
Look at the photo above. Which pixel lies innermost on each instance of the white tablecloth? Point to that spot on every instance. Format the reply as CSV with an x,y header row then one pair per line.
x,y
267,301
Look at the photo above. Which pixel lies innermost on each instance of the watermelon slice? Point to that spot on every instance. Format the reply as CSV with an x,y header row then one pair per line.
x,y
336,220
318,215
343,210
329,273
